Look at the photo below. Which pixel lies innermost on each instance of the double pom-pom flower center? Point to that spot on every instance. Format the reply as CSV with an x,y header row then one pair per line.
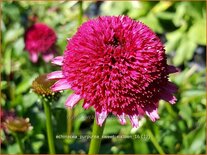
x,y
117,65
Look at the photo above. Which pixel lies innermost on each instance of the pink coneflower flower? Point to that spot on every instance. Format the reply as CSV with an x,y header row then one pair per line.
x,y
117,65
40,38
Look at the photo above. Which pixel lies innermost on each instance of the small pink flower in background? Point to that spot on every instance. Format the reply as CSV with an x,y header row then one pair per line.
x,y
117,65
39,38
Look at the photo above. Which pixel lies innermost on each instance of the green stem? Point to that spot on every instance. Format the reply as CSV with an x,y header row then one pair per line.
x,y
155,143
70,113
80,12
96,138
19,142
50,137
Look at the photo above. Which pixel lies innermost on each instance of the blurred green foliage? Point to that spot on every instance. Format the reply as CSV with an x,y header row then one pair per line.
x,y
181,128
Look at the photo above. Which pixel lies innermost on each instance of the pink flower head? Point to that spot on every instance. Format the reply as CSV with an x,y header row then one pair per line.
x,y
40,38
117,65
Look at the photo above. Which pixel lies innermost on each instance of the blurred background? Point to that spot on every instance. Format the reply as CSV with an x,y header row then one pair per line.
x,y
181,26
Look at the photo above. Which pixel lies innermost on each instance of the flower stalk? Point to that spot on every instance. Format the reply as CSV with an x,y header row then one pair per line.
x,y
70,113
96,138
80,12
50,136
155,143
19,142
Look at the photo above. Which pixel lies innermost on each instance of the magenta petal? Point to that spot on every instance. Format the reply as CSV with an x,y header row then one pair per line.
x,y
122,118
34,57
55,75
61,84
72,100
100,117
58,60
170,87
167,96
172,69
86,105
48,56
140,110
153,115
134,120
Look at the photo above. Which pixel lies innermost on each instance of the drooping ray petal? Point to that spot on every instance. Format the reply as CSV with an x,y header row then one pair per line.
x,y
170,87
134,120
140,111
61,84
167,96
122,118
55,75
100,117
48,56
58,60
33,57
72,100
153,115
86,105
172,69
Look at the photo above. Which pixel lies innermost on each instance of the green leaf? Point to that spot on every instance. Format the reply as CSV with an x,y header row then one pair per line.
x,y
78,121
179,15
29,99
197,9
162,6
13,148
185,51
186,114
196,140
19,46
173,40
140,144
165,15
24,85
194,93
13,34
197,32
170,141
114,8
152,21
108,126
38,142
7,61
60,116
3,85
